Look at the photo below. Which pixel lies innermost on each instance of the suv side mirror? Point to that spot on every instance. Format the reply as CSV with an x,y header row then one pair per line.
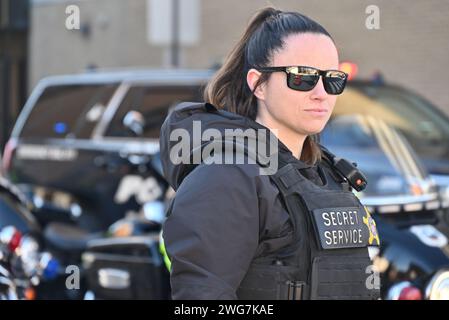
x,y
134,122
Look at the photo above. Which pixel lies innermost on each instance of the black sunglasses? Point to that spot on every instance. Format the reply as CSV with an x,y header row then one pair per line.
x,y
302,78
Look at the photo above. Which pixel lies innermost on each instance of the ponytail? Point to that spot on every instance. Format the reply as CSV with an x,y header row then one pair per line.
x,y
228,88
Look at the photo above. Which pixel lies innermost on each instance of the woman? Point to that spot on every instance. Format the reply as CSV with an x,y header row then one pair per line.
x,y
298,233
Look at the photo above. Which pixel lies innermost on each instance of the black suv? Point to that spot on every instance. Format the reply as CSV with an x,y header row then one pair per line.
x,y
81,143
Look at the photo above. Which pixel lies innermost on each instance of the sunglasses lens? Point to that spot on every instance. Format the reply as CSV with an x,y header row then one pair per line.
x,y
302,82
334,82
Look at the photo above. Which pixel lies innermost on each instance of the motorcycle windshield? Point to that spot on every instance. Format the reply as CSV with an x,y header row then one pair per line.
x,y
393,171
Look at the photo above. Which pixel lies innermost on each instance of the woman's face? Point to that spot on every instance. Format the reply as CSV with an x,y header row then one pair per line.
x,y
303,113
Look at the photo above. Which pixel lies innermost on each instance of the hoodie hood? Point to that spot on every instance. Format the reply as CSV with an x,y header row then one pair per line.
x,y
187,122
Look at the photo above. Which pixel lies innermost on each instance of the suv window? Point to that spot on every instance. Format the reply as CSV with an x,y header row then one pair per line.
x,y
67,111
153,102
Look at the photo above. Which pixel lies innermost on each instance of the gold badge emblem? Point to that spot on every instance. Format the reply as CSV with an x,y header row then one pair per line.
x,y
371,224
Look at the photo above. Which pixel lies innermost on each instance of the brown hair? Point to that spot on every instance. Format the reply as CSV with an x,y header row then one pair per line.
x,y
264,35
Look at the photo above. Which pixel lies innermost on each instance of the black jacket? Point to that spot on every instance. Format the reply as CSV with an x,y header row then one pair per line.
x,y
223,215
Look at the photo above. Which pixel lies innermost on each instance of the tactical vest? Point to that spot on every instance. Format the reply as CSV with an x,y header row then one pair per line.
x,y
328,257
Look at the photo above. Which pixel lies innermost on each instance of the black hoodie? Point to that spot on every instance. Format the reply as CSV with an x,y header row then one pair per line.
x,y
223,215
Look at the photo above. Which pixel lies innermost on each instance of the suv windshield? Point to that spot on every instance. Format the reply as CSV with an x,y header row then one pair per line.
x,y
425,127
67,111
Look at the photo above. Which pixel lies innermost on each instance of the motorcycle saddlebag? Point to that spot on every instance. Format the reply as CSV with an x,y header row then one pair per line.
x,y
126,268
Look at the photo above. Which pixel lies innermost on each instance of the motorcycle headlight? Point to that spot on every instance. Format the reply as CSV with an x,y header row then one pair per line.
x,y
438,286
29,254
154,211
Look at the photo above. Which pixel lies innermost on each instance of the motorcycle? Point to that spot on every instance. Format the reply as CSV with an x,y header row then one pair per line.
x,y
61,260
23,266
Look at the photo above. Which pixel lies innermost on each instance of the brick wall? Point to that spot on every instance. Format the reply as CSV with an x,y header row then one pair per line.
x,y
411,48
